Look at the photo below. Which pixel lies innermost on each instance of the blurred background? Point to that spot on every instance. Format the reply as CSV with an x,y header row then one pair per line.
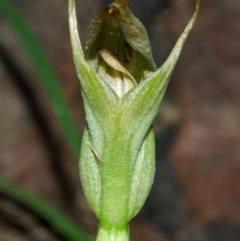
x,y
196,193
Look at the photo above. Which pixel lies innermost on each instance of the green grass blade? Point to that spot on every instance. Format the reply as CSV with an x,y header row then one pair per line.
x,y
45,73
63,225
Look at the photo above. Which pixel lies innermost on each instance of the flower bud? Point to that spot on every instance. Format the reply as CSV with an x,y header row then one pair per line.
x,y
119,47
122,91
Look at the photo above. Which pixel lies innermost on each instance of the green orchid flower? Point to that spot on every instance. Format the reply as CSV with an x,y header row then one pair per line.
x,y
122,90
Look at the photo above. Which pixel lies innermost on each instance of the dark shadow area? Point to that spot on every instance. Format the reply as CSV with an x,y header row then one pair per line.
x,y
49,141
164,204
24,221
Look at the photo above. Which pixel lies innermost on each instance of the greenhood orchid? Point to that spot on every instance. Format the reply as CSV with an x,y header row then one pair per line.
x,y
122,90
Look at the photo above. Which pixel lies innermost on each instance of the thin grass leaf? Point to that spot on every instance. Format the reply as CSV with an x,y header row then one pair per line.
x,y
62,224
45,73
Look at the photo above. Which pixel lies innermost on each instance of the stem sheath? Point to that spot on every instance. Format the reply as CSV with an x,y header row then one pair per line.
x,y
113,234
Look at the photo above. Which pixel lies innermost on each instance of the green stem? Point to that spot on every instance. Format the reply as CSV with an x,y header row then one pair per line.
x,y
113,234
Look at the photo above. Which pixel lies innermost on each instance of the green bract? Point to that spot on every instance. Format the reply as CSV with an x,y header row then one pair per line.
x,y
122,91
